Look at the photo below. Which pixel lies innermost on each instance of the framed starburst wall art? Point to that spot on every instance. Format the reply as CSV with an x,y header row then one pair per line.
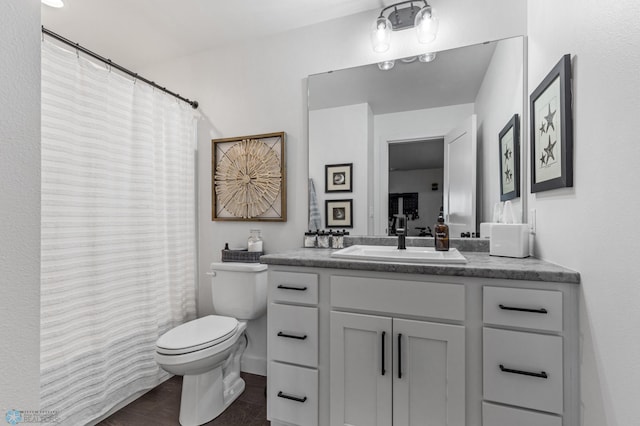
x,y
509,140
249,178
552,130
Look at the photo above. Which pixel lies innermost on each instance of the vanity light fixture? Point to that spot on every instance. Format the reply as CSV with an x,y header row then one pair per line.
x,y
424,58
386,65
427,57
53,3
400,18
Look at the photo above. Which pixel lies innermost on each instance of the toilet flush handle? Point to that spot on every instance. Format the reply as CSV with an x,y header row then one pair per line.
x,y
212,273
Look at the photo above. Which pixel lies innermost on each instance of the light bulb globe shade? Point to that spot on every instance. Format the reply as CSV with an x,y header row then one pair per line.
x,y
427,57
381,34
426,25
53,3
386,65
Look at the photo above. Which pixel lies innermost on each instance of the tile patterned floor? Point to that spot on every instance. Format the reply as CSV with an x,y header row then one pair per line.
x,y
161,406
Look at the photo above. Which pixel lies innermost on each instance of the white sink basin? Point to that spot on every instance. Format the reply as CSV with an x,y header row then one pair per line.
x,y
392,254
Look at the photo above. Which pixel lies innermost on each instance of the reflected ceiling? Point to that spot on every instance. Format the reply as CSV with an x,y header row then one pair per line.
x,y
418,155
408,86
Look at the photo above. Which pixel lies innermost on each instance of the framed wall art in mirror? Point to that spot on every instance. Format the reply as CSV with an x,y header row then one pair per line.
x,y
338,213
509,140
552,130
338,177
249,178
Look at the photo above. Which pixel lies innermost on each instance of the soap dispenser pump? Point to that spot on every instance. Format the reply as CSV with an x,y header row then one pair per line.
x,y
441,233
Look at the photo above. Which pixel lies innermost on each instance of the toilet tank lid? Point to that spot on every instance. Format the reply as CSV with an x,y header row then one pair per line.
x,y
239,267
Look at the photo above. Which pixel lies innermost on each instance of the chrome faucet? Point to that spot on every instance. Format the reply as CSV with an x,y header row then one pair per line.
x,y
401,232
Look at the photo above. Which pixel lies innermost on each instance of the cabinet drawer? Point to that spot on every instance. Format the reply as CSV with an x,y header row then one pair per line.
x,y
497,415
293,334
523,369
425,299
534,309
293,394
293,287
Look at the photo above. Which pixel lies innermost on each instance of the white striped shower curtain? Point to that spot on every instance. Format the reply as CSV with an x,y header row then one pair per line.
x,y
118,232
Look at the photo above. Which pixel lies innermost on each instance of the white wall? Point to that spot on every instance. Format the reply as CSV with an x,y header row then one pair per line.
x,y
341,135
429,201
592,227
260,86
20,205
404,126
499,98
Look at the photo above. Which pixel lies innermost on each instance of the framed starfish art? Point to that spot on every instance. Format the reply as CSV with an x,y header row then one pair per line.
x,y
249,178
552,130
509,140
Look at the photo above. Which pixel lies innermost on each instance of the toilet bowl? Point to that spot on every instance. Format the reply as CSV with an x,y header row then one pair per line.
x,y
207,351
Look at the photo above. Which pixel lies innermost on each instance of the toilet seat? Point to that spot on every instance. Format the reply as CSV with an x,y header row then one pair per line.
x,y
196,335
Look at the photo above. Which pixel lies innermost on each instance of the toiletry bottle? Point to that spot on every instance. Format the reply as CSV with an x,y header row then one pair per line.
x,y
255,240
441,234
323,240
310,239
338,240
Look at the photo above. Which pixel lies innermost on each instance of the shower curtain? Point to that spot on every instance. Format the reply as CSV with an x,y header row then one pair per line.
x,y
118,232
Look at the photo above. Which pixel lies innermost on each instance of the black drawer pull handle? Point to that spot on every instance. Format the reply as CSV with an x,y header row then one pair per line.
x,y
292,336
288,287
384,333
399,356
541,374
291,397
535,311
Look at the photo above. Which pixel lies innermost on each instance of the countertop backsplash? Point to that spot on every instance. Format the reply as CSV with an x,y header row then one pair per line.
x,y
462,244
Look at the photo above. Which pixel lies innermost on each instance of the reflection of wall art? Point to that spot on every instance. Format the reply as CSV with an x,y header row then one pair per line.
x,y
509,140
338,213
249,178
338,177
552,130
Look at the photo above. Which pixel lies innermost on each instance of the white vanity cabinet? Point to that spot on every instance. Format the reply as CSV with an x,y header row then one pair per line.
x,y
525,365
399,348
388,370
391,371
292,340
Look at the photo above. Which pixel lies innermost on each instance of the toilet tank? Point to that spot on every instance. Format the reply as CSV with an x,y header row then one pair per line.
x,y
239,290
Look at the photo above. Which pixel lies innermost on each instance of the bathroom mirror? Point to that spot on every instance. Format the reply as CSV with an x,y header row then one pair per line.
x,y
396,126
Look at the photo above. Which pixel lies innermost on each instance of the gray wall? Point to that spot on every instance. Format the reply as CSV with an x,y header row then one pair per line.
x,y
592,226
20,204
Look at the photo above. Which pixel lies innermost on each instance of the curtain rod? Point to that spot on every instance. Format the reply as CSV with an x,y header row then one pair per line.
x,y
194,104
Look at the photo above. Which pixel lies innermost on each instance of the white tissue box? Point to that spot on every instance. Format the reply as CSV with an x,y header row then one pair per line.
x,y
509,240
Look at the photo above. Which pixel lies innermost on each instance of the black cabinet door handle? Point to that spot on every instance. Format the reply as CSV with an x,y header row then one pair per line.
x,y
399,356
512,308
292,336
384,333
541,374
291,397
289,287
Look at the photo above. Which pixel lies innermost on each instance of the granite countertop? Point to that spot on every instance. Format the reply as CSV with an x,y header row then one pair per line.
x,y
479,265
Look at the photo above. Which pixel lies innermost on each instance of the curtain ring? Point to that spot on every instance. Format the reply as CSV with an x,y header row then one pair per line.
x,y
78,50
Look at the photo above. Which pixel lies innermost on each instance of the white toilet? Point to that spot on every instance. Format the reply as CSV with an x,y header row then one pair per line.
x,y
207,351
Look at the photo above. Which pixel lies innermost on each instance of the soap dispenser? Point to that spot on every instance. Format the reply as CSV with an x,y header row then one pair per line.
x,y
441,233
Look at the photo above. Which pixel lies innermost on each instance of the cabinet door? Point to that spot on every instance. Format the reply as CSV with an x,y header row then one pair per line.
x,y
360,374
428,374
